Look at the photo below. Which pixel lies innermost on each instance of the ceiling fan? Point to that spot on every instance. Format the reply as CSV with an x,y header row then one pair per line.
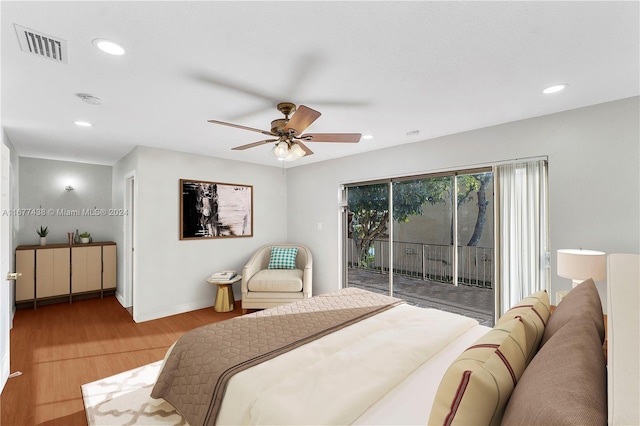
x,y
288,132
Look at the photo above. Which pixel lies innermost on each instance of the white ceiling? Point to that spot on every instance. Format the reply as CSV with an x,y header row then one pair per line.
x,y
379,68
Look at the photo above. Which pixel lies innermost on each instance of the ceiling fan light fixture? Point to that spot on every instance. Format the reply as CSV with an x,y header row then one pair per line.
x,y
297,152
281,150
290,142
293,154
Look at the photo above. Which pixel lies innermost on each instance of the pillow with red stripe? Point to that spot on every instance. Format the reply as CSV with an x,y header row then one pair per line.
x,y
476,388
534,311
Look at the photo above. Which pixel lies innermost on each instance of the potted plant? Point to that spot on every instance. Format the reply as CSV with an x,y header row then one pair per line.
x,y
42,232
85,237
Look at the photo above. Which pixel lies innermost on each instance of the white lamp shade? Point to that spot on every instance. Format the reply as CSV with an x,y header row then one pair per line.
x,y
582,264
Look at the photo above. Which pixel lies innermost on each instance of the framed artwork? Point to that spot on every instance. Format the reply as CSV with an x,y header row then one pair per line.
x,y
215,210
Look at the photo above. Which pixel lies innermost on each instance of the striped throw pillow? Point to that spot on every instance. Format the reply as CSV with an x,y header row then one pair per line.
x,y
534,311
283,258
476,388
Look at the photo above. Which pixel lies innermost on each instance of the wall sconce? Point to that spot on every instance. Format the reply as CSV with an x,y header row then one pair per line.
x,y
580,265
68,188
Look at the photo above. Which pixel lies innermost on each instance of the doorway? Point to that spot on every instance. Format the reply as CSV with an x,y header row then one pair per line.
x,y
129,243
5,264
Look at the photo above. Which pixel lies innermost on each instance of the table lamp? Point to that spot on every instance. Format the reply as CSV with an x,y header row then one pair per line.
x,y
580,265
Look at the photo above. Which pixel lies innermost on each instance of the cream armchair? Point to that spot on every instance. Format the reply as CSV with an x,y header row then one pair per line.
x,y
264,288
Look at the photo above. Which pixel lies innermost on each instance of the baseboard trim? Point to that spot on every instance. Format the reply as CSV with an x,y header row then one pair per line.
x,y
120,298
174,310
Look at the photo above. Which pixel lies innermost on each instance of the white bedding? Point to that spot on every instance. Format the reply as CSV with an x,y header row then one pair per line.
x,y
410,402
337,378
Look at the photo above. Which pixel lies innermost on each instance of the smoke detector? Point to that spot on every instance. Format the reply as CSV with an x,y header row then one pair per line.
x,y
90,99
41,44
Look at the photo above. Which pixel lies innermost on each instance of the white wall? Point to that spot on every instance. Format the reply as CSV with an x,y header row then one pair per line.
x,y
171,273
594,181
42,184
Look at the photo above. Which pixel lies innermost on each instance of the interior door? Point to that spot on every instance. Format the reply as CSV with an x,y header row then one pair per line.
x,y
5,304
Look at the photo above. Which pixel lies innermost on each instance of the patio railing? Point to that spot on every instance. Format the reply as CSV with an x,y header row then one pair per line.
x,y
432,262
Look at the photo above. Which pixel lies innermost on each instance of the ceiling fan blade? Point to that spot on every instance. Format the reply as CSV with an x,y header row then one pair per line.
x,y
305,148
251,145
264,132
338,103
302,118
331,137
209,78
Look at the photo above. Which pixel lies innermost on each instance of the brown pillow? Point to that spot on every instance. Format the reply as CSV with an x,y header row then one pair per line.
x,y
565,384
534,312
476,387
583,302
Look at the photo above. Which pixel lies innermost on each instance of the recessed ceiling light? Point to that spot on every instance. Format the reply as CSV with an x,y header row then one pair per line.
x,y
367,136
108,46
555,88
82,123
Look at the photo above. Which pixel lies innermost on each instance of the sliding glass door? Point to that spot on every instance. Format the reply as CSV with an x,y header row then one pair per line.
x,y
367,243
432,245
422,232
475,244
475,229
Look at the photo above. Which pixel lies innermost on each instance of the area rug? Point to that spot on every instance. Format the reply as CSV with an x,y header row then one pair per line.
x,y
124,399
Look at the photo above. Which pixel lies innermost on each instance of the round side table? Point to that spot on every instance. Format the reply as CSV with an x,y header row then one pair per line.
x,y
224,296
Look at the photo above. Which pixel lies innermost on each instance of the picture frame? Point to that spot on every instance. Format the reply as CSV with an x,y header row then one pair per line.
x,y
215,210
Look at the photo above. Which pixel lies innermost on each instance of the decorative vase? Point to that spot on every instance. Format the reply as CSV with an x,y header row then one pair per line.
x,y
43,241
76,239
84,240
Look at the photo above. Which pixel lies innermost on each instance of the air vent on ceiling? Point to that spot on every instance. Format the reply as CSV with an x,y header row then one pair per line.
x,y
41,44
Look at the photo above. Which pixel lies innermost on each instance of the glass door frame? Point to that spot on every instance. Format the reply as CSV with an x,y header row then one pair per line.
x,y
344,231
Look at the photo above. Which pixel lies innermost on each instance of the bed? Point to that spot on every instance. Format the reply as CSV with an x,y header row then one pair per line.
x,y
306,350
399,364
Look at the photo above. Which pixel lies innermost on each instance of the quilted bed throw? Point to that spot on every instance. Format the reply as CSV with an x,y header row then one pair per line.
x,y
203,360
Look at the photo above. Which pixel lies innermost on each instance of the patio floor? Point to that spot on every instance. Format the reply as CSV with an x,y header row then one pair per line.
x,y
474,302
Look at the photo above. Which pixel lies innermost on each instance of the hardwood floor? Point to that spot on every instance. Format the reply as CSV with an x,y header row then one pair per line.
x,y
60,347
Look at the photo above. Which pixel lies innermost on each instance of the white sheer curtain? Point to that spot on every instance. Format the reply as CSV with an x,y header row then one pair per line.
x,y
523,230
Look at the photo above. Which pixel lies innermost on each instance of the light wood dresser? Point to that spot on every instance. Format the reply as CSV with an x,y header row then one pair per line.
x,y
63,272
